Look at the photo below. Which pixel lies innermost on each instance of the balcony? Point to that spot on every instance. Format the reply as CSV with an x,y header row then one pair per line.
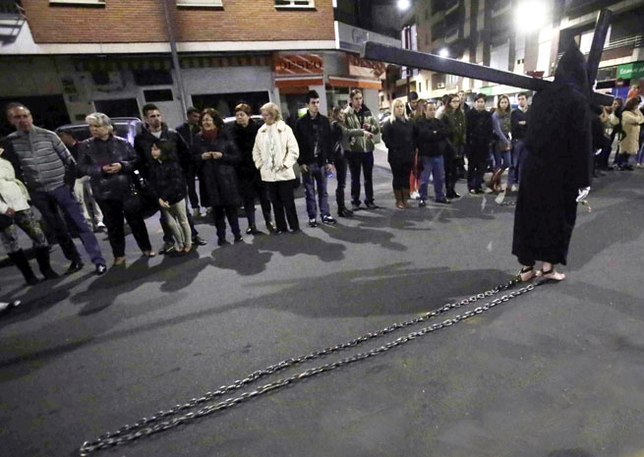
x,y
12,18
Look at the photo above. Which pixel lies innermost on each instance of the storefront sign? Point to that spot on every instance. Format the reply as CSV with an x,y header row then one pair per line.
x,y
632,70
298,64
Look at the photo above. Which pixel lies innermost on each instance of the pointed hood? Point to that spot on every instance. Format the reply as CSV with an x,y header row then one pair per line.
x,y
571,70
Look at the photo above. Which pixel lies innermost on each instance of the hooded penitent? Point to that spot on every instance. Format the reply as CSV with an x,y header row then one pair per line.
x,y
558,164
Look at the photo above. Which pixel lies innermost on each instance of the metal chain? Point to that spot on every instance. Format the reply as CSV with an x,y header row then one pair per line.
x,y
150,425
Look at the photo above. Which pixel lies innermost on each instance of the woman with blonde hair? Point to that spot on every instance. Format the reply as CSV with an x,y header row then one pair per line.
x,y
274,153
631,119
397,133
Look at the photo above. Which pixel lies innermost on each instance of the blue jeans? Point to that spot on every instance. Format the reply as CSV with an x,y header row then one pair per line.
x,y
640,155
435,166
502,159
62,198
518,156
316,176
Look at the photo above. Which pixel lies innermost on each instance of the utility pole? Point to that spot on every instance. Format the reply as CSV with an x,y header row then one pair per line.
x,y
175,54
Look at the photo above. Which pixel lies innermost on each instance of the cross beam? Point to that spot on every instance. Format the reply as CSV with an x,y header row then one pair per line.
x,y
425,61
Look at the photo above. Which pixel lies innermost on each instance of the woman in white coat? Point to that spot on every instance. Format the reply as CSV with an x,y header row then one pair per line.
x,y
275,152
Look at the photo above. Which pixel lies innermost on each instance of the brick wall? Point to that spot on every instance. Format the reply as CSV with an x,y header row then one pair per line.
x,y
122,21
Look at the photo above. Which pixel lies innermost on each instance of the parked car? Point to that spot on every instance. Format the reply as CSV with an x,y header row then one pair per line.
x,y
125,127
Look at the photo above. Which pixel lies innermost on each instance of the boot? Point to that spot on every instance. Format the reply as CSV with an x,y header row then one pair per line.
x,y
399,197
451,193
405,197
495,180
20,260
42,257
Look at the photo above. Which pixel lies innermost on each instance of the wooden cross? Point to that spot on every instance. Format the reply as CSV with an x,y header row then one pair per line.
x,y
432,62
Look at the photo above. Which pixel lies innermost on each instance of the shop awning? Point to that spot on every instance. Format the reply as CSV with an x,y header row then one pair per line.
x,y
299,81
344,81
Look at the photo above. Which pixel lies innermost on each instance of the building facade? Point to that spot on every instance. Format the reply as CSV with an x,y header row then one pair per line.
x,y
68,58
503,34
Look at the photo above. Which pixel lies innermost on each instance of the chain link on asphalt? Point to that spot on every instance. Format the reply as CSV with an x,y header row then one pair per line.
x,y
165,420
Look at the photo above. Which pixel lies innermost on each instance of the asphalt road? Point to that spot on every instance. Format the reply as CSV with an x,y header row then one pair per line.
x,y
555,372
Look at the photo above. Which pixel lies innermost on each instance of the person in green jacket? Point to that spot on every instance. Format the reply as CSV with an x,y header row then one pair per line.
x,y
358,131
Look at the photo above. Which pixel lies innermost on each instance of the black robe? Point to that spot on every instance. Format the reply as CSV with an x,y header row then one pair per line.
x,y
558,164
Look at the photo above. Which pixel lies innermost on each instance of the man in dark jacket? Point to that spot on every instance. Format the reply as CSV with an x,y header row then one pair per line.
x,y
189,131
313,134
557,170
155,129
519,129
480,131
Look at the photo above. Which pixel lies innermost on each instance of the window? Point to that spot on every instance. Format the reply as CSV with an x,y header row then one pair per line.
x,y
100,3
294,4
158,95
201,3
152,77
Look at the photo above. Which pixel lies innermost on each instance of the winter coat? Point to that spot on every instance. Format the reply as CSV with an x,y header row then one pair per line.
x,y
144,140
219,174
92,158
479,129
244,138
166,179
13,193
518,130
353,130
398,136
288,148
430,137
305,132
631,121
456,124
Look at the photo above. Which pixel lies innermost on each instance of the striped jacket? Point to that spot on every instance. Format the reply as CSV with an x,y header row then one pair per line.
x,y
42,158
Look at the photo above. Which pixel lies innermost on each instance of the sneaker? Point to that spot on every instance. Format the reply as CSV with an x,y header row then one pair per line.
x,y
270,227
514,188
100,227
167,248
328,220
443,200
73,267
150,253
198,241
371,205
238,238
196,212
222,241
101,269
345,212
313,222
355,206
639,165
422,203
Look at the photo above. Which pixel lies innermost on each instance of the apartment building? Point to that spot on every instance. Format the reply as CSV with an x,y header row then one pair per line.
x,y
68,58
520,36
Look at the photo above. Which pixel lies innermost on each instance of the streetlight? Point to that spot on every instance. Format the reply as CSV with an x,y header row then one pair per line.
x,y
530,15
403,5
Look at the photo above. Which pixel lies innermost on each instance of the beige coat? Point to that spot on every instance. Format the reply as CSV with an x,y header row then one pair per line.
x,y
631,121
281,168
13,193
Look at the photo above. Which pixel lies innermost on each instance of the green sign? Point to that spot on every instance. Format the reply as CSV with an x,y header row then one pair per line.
x,y
632,70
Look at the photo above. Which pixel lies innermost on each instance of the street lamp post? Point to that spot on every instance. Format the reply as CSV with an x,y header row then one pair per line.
x,y
403,6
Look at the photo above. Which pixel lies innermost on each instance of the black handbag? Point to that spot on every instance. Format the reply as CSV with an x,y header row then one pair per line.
x,y
139,198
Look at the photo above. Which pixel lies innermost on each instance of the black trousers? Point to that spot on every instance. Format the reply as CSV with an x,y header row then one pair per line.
x,y
254,190
361,160
220,214
400,169
113,216
341,165
283,200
